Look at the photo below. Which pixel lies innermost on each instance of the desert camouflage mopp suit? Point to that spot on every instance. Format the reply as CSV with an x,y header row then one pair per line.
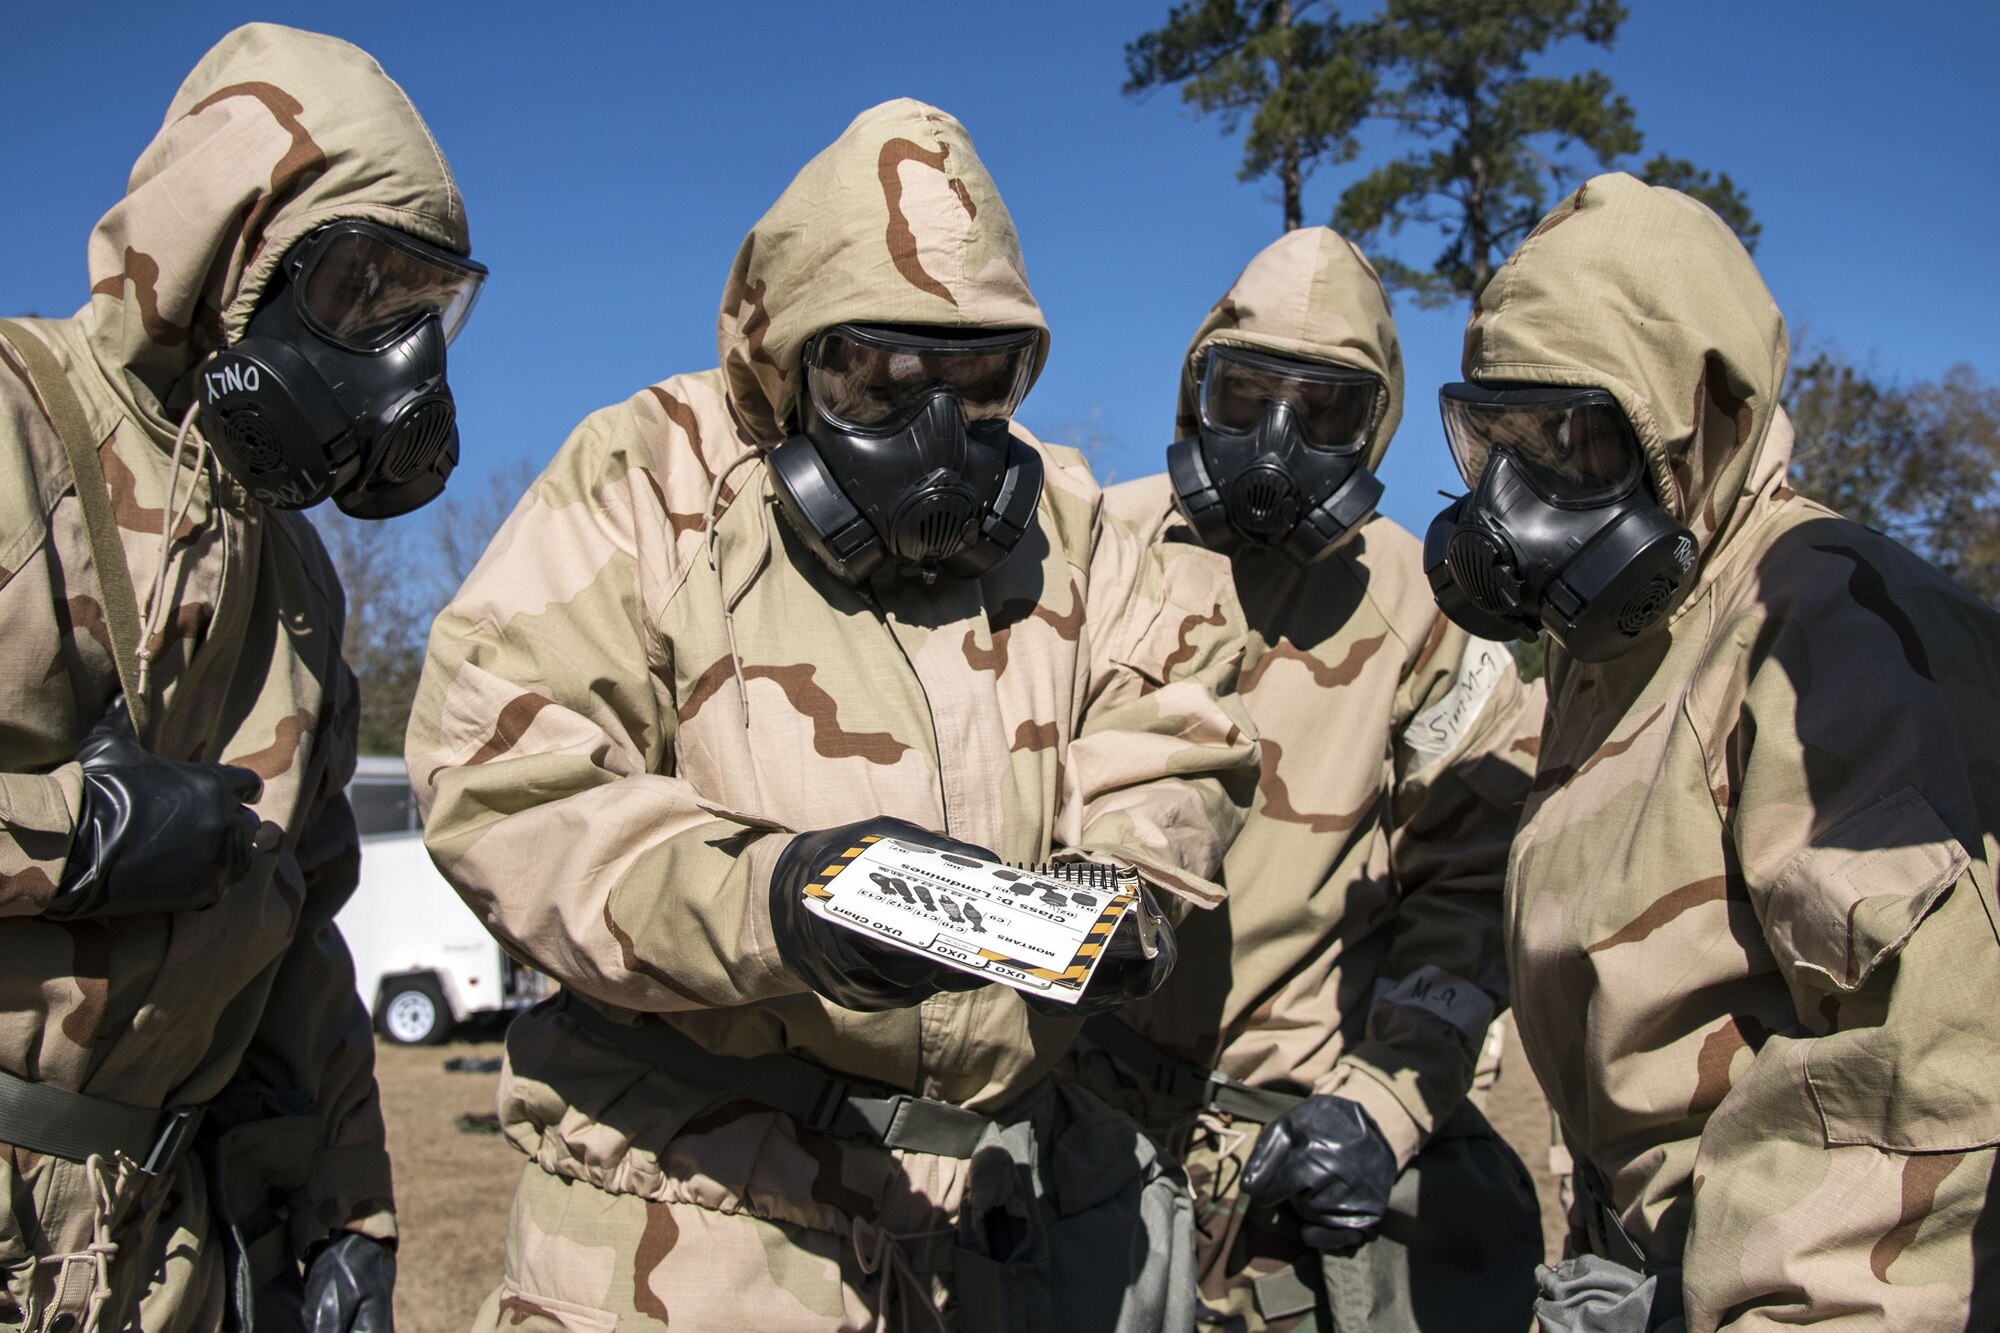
x,y
274,133
1751,913
1359,950
649,681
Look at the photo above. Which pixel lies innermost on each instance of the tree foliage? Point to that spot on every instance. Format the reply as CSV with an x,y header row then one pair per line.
x,y
398,574
1919,462
1267,62
1497,142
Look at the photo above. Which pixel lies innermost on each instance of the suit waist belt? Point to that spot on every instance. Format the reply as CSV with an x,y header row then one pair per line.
x,y
1183,1080
73,1126
802,1090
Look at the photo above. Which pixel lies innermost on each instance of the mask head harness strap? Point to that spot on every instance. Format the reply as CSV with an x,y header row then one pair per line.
x,y
1277,460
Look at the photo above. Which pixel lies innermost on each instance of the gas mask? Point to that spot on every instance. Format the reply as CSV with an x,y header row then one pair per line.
x,y
1277,461
337,387
1560,531
906,460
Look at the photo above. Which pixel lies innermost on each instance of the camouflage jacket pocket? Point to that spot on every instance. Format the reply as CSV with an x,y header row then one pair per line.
x,y
1851,900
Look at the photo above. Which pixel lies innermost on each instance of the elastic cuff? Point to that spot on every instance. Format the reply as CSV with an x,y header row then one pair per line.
x,y
1405,1136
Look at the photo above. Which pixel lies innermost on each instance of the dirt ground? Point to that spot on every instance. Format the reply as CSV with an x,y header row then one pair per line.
x,y
453,1186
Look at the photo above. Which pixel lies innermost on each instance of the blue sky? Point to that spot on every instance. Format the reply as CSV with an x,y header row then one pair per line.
x,y
613,156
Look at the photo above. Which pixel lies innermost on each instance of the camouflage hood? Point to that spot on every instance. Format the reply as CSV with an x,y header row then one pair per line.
x,y
274,133
896,222
1645,293
1309,294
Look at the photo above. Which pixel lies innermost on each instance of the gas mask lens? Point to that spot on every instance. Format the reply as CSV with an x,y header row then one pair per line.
x,y
872,378
361,285
1333,406
1575,446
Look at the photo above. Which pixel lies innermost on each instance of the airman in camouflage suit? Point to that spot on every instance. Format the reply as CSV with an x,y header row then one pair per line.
x,y
650,683
1359,952
1751,910
251,1001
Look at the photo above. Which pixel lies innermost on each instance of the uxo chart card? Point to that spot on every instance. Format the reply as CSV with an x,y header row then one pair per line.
x,y
1039,931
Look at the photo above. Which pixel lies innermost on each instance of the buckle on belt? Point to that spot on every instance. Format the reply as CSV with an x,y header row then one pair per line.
x,y
829,1101
177,1131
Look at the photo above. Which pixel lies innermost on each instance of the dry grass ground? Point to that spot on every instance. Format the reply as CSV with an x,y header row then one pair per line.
x,y
452,1187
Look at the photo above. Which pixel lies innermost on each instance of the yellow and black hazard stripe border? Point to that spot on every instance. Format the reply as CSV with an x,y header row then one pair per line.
x,y
1086,953
818,888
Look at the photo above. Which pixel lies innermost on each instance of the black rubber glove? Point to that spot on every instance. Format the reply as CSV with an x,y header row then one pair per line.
x,y
1125,973
350,1286
850,967
154,835
1327,1157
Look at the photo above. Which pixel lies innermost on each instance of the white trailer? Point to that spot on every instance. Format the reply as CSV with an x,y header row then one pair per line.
x,y
422,961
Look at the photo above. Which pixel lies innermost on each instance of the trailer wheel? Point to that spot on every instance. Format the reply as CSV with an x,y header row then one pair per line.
x,y
413,1011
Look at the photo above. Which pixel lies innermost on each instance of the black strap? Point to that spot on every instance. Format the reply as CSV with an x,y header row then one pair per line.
x,y
70,1125
1602,1226
1182,1080
107,551
802,1090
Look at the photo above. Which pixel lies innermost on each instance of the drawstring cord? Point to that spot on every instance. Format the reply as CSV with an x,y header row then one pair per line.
x,y
170,522
879,1250
100,1251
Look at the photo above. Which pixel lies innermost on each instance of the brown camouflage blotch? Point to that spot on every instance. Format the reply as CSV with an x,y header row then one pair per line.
x,y
1711,1065
1067,625
512,724
90,969
1922,1174
1671,906
1556,219
634,963
830,740
187,625
679,522
23,1160
1871,592
125,507
1034,736
1528,745
1278,799
1562,773
744,294
1184,647
86,614
34,882
656,1242
143,271
964,197
518,1310
901,240
277,757
704,687
985,659
829,1185
682,416
1326,677
301,161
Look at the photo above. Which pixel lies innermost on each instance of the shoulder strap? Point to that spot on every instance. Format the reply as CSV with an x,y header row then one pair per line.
x,y
114,580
